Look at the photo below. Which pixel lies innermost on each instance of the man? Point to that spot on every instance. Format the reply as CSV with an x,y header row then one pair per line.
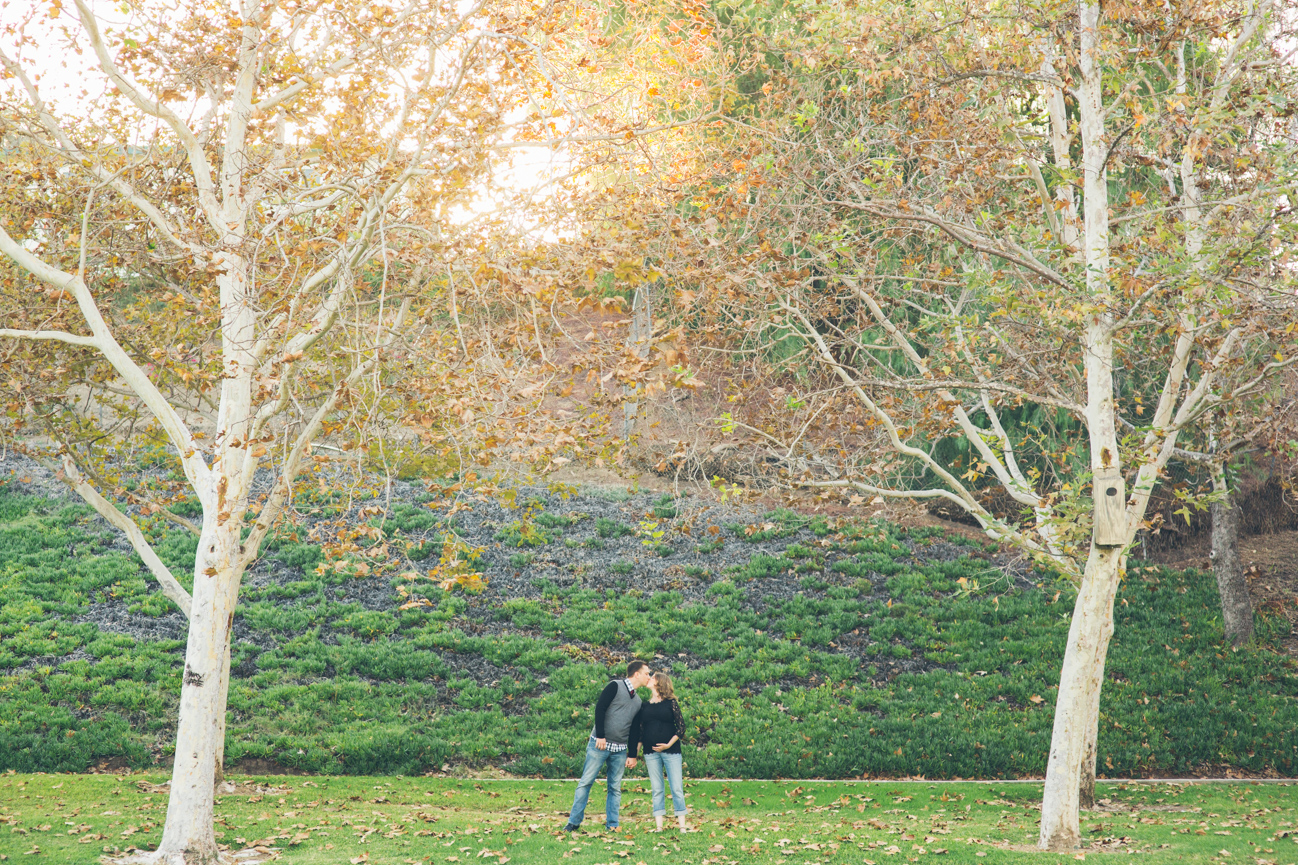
x,y
615,712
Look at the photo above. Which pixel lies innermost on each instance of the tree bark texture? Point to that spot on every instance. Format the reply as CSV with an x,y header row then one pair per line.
x,y
1073,740
220,721
1086,784
225,684
1080,684
1236,605
188,836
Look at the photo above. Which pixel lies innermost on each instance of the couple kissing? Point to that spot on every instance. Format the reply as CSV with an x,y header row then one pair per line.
x,y
624,724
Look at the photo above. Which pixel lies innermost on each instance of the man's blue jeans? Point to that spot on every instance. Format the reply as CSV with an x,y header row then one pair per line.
x,y
657,764
596,760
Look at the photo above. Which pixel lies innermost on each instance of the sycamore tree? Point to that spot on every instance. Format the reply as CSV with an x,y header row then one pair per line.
x,y
1019,257
220,223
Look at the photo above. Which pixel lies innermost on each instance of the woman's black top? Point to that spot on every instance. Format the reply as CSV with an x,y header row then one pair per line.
x,y
658,722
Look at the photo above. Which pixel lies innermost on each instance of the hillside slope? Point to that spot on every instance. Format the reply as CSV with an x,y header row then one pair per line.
x,y
801,647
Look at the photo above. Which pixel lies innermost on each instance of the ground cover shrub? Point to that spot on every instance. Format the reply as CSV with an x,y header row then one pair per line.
x,y
607,528
189,506
665,507
883,662
295,555
759,567
558,521
869,564
780,523
525,533
320,501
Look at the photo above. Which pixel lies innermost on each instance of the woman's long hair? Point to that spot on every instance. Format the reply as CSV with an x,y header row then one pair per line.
x,y
663,685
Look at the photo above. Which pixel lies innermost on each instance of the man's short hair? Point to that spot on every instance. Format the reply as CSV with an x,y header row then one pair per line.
x,y
634,667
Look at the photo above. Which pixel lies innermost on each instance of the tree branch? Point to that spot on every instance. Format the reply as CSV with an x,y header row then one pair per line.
x,y
69,150
995,528
283,488
170,587
58,335
196,470
1014,254
193,148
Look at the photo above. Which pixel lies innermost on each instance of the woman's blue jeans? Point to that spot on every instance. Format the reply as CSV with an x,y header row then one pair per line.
x,y
658,764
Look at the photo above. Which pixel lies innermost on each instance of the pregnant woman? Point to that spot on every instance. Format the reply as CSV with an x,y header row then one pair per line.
x,y
661,730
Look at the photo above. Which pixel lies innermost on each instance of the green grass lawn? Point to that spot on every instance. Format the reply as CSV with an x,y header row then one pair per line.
x,y
72,819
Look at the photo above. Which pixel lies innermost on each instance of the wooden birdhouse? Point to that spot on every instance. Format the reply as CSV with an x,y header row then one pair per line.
x,y
1110,495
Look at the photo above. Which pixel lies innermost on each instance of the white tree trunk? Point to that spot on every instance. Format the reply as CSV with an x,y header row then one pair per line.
x,y
1090,754
225,681
1073,740
188,837
1079,693
221,717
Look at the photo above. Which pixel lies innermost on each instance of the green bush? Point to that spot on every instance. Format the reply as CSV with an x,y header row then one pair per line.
x,y
759,567
828,682
524,533
665,507
558,521
607,528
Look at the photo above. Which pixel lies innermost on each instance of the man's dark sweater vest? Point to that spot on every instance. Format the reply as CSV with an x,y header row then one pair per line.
x,y
618,716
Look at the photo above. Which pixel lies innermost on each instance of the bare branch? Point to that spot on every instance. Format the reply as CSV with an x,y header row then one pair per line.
x,y
196,470
69,150
170,587
58,335
283,489
193,148
1011,252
